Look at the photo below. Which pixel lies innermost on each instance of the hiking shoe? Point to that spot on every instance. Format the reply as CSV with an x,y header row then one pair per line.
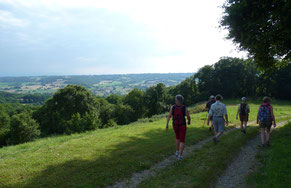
x,y
210,129
177,154
241,130
268,144
214,140
180,158
244,131
263,145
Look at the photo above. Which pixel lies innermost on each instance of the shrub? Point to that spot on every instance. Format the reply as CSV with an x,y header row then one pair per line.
x,y
71,109
4,126
23,128
110,123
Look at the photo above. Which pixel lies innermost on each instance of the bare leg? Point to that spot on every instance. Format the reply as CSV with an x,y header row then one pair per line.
x,y
263,135
241,125
267,135
177,145
218,134
182,144
245,127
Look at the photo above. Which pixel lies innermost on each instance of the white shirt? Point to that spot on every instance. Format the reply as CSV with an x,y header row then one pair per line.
x,y
217,109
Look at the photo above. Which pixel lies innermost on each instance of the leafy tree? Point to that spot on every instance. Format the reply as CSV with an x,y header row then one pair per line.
x,y
260,27
206,81
23,128
65,105
155,99
106,111
4,126
114,99
123,114
188,88
135,99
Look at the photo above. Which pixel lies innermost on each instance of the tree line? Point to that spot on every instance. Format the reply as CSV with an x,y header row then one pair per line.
x,y
75,109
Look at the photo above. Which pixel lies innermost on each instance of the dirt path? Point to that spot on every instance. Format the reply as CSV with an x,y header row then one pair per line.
x,y
241,166
140,176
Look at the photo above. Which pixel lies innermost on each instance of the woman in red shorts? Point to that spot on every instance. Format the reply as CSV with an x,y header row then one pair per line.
x,y
178,111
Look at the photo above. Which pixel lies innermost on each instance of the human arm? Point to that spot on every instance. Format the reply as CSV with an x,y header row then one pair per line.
x,y
273,117
209,116
226,116
238,109
188,116
169,117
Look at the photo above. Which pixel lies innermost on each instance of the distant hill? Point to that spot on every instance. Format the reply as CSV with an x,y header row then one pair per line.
x,y
101,85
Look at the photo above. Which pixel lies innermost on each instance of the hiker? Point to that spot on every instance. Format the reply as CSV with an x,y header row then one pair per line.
x,y
243,112
218,113
264,119
178,111
208,105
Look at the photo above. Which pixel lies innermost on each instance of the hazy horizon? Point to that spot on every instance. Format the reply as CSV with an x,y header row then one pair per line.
x,y
97,74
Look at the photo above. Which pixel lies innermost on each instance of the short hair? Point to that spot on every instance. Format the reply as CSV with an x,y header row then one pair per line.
x,y
179,98
243,98
218,97
267,99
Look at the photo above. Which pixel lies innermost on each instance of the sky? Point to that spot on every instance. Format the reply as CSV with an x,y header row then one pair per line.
x,y
81,37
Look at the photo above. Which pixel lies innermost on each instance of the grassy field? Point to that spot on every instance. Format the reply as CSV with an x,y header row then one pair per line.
x,y
102,157
276,162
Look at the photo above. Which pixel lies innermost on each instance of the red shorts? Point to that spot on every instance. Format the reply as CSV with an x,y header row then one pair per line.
x,y
180,132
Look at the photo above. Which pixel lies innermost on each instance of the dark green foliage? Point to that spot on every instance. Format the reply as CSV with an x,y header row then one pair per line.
x,y
155,98
23,128
4,126
35,99
89,121
262,28
110,123
231,77
114,99
123,114
60,113
135,99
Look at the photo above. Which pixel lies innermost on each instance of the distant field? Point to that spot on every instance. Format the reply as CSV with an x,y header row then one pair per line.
x,y
101,85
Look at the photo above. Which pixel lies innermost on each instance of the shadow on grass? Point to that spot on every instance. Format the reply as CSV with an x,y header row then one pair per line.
x,y
123,159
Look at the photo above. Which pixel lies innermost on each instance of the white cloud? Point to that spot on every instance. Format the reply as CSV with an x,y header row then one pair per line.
x,y
7,18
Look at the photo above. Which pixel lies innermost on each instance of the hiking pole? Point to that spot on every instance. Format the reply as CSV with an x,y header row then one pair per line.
x,y
205,119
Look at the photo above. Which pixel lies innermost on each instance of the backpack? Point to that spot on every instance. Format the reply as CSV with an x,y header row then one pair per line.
x,y
179,113
243,109
264,113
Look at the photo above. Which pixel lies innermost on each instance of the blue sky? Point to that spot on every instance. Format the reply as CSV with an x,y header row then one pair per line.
x,y
61,37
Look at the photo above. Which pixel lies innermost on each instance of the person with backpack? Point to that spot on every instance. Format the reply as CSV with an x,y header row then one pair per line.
x,y
219,114
208,106
178,112
243,112
265,118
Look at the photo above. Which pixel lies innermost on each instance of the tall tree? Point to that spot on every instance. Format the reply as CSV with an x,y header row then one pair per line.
x,y
57,112
262,28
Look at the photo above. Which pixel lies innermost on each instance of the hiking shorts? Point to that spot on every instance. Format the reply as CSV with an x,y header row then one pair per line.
x,y
265,124
244,117
180,132
218,124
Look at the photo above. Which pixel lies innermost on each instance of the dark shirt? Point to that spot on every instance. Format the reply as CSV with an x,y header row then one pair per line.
x,y
209,103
